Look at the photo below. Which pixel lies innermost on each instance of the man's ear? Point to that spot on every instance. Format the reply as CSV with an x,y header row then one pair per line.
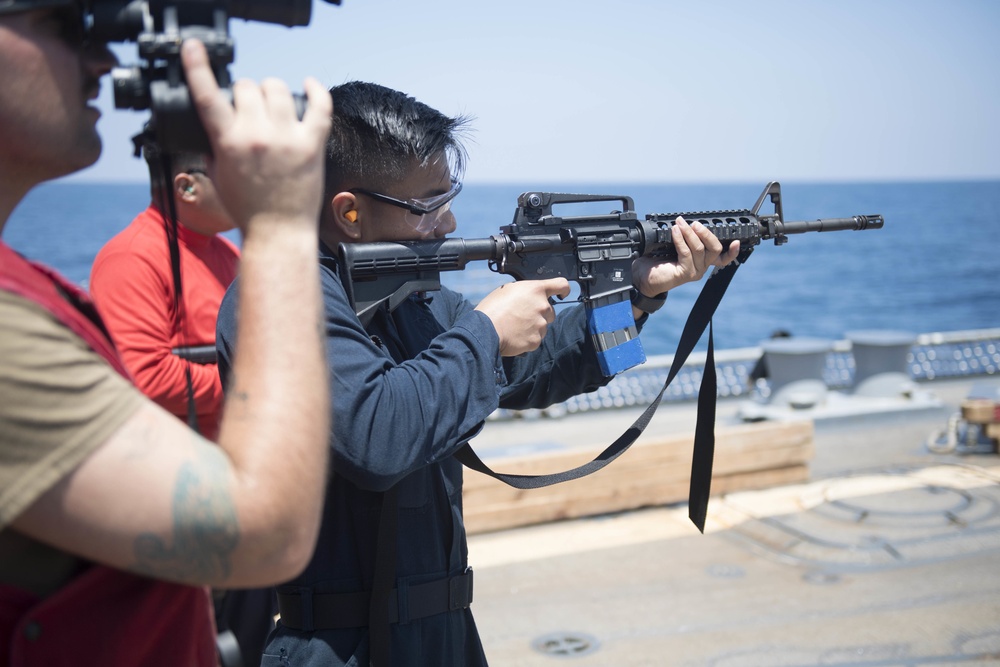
x,y
346,217
185,187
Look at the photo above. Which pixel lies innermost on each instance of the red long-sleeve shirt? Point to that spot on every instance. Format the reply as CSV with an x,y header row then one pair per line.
x,y
132,284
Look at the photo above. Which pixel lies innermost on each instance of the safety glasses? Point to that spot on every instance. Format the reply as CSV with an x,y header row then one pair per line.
x,y
423,215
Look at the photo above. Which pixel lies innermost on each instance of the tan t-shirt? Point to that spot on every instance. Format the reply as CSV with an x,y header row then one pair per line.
x,y
59,401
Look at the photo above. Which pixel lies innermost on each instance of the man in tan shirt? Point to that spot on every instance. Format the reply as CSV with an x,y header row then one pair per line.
x,y
93,476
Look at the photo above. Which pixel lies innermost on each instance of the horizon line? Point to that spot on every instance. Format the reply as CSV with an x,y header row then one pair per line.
x,y
83,180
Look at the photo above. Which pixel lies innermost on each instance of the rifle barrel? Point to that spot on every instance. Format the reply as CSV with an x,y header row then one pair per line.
x,y
856,223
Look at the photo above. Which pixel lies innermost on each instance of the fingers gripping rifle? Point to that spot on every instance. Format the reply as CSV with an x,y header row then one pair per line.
x,y
595,251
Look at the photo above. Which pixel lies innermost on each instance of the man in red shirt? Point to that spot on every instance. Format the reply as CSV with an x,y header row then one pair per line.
x,y
158,284
161,330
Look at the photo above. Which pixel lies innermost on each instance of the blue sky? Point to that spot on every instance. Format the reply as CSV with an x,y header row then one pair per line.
x,y
581,91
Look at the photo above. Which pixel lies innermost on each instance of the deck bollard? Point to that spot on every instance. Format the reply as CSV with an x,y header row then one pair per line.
x,y
795,368
880,365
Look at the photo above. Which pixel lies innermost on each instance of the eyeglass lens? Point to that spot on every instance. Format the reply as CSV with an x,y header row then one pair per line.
x,y
427,222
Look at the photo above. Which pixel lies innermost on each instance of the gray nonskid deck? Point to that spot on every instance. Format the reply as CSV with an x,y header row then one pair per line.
x,y
888,556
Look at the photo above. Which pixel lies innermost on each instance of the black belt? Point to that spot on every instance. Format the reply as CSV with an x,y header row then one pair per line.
x,y
329,611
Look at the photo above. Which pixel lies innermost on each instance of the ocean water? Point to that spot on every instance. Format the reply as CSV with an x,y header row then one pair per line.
x,y
935,266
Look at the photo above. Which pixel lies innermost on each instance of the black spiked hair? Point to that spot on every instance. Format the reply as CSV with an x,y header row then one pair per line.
x,y
379,132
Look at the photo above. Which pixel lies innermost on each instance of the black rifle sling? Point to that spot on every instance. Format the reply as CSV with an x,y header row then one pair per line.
x,y
698,320
379,630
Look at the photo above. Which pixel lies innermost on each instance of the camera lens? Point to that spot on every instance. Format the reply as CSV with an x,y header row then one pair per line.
x,y
129,85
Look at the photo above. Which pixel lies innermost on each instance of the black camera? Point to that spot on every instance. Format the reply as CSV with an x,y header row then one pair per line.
x,y
159,27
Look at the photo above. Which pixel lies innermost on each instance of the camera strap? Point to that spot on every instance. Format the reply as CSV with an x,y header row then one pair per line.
x,y
698,320
168,208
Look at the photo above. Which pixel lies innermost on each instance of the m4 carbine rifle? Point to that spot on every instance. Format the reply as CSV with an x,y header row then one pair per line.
x,y
597,253
594,251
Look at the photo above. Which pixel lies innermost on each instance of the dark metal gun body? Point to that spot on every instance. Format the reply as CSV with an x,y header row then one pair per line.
x,y
198,354
594,251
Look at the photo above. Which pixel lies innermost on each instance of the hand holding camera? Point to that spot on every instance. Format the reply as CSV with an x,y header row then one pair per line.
x,y
269,166
159,28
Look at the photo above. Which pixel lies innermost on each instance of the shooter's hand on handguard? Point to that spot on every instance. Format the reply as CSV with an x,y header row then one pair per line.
x,y
698,250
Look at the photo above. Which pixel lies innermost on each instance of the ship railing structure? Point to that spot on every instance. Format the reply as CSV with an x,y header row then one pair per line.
x,y
932,356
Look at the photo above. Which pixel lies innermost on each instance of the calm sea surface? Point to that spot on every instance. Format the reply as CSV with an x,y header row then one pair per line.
x,y
935,266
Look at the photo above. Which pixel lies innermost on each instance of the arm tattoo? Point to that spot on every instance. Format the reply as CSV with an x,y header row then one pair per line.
x,y
206,529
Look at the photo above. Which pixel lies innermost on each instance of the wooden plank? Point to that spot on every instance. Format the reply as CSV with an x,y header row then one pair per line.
x,y
741,444
631,475
737,449
542,509
653,472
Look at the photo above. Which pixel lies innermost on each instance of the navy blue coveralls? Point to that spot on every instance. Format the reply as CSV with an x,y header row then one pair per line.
x,y
408,392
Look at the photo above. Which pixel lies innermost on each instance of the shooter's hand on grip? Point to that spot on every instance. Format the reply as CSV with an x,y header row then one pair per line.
x,y
521,312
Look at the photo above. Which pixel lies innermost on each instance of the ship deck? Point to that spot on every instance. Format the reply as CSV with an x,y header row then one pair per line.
x,y
888,555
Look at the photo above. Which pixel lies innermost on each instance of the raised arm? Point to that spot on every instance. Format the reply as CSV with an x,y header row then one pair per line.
x,y
154,497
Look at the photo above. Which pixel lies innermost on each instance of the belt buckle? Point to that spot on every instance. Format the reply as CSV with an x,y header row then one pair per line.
x,y
460,590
